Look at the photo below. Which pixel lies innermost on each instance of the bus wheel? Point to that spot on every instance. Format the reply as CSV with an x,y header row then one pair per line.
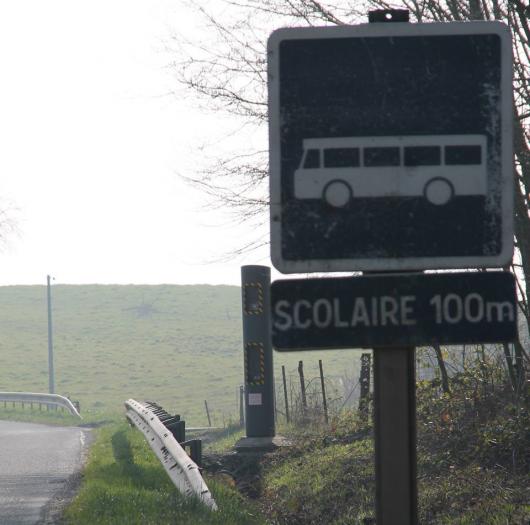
x,y
439,191
337,193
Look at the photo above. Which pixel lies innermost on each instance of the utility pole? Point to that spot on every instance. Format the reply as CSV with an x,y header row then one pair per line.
x,y
51,379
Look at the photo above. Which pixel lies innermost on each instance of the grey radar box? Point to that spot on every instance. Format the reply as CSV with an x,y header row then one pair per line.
x,y
391,147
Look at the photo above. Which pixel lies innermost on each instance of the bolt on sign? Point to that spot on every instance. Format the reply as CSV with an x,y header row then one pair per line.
x,y
391,147
394,310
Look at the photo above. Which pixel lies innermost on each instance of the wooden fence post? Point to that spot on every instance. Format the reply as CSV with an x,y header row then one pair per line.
x,y
242,405
323,391
285,395
364,381
207,413
302,388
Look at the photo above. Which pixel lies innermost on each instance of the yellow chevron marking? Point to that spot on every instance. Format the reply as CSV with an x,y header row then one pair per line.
x,y
256,309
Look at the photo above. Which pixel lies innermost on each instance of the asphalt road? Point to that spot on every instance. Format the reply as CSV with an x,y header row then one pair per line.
x,y
39,466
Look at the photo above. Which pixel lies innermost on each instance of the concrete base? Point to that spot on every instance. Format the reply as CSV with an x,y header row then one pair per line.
x,y
261,444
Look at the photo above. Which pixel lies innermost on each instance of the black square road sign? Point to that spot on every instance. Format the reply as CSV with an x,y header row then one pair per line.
x,y
391,147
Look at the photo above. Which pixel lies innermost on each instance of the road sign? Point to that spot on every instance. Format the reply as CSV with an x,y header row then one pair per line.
x,y
391,147
394,310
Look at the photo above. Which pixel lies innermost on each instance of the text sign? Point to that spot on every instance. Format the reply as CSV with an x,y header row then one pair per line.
x,y
394,310
391,147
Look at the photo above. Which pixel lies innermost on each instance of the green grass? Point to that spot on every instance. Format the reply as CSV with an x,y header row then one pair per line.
x,y
48,417
177,345
124,483
323,478
321,484
324,482
473,462
224,442
472,470
472,495
335,485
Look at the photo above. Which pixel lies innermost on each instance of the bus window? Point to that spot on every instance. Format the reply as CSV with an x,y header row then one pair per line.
x,y
341,158
422,156
312,159
375,157
462,155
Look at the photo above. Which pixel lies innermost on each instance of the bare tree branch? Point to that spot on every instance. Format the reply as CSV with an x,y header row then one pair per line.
x,y
229,74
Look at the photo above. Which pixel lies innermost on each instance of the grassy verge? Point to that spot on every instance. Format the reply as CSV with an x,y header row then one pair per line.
x,y
473,464
326,477
224,442
53,417
473,495
125,484
323,484
334,484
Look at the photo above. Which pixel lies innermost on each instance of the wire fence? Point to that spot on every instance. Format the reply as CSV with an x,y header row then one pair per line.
x,y
301,397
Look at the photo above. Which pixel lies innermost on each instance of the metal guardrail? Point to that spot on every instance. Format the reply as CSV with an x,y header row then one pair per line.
x,y
182,470
43,399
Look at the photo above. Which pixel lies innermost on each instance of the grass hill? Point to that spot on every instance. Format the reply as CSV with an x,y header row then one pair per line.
x,y
177,345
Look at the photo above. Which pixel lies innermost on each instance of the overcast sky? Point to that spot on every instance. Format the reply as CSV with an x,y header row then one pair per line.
x,y
91,144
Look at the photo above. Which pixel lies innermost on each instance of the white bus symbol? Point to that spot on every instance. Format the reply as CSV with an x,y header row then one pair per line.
x,y
438,167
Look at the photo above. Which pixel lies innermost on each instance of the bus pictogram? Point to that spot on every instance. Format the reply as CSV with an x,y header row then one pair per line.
x,y
435,167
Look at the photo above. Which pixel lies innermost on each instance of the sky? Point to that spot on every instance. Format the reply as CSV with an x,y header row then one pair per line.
x,y
94,132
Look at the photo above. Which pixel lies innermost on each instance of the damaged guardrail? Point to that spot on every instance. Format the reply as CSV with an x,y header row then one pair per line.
x,y
166,436
54,400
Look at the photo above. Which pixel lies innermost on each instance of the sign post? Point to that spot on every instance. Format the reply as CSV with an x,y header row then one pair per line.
x,y
395,436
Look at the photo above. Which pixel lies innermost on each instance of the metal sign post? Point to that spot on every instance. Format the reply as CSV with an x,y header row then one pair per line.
x,y
395,436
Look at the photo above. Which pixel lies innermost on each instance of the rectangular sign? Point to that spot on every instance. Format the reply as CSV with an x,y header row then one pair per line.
x,y
255,399
394,310
391,147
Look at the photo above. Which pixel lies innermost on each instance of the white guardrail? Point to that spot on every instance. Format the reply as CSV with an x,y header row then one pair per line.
x,y
44,399
182,470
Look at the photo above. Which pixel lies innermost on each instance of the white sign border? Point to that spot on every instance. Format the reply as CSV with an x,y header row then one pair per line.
x,y
386,30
